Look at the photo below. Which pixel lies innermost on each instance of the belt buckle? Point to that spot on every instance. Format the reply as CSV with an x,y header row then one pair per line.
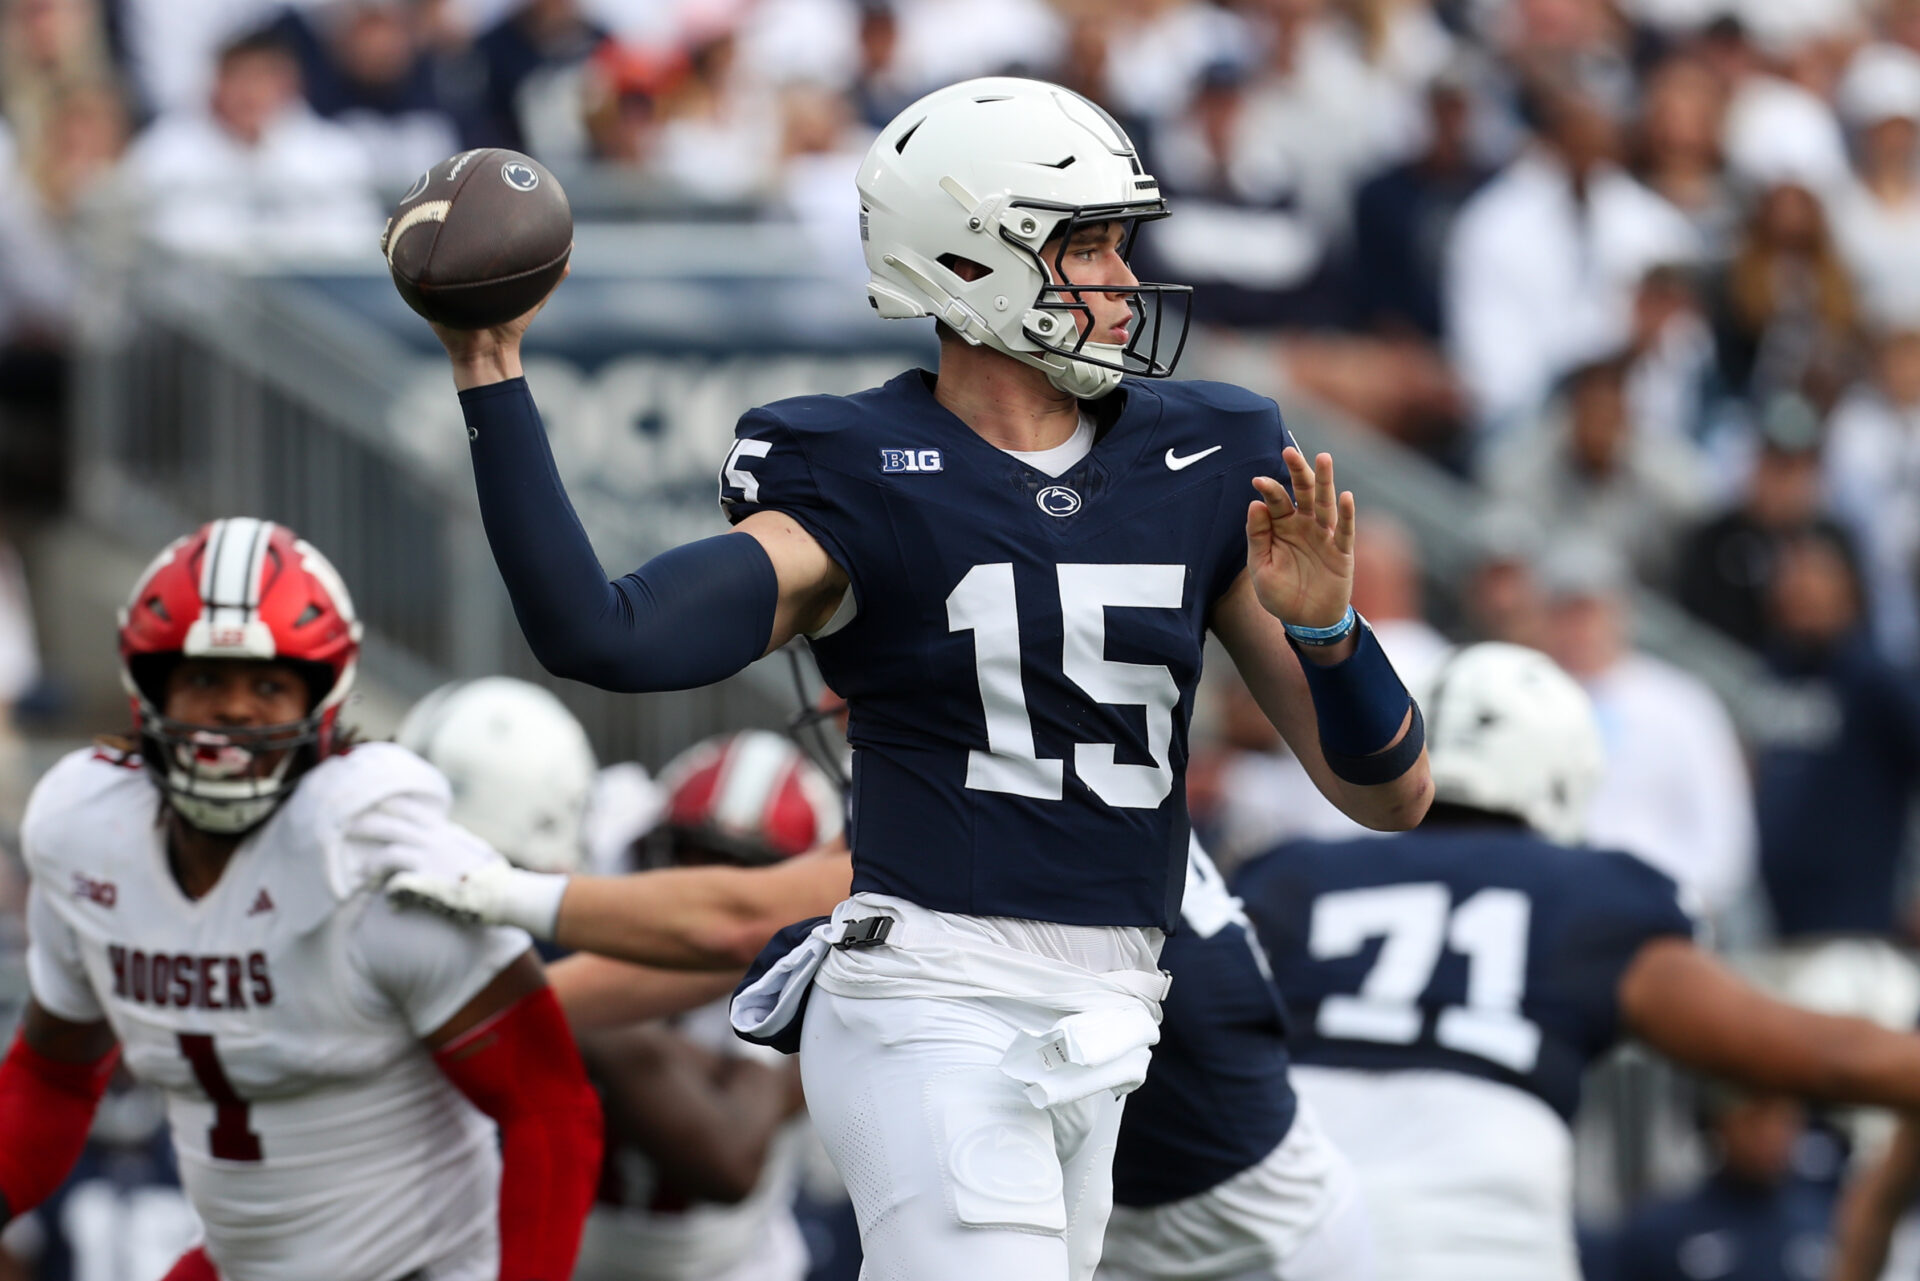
x,y
870,931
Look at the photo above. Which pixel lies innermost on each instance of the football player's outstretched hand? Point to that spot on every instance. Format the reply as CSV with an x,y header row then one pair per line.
x,y
496,893
1300,555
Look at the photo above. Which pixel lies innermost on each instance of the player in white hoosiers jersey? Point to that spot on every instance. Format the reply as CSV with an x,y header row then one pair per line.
x,y
702,1154
207,906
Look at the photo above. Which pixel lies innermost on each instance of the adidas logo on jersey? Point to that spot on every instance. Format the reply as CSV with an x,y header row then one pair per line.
x,y
263,902
895,461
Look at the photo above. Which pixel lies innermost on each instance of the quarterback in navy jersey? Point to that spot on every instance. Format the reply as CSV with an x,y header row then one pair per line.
x,y
1009,569
1452,984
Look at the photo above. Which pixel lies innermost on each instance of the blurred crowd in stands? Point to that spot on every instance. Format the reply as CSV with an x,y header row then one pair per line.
x,y
1646,273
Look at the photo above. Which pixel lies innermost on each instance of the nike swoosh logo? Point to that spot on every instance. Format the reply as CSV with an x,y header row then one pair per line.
x,y
1175,462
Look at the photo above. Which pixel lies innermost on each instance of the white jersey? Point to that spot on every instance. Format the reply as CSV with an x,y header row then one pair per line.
x,y
281,1013
755,1240
1465,1179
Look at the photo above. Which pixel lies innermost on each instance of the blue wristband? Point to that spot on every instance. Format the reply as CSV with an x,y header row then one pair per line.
x,y
1325,635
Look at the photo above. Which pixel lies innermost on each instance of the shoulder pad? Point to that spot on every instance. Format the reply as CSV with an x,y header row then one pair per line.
x,y
376,794
1215,397
823,415
73,802
1646,884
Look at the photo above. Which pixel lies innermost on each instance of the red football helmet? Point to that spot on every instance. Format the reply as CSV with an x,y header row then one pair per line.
x,y
750,799
244,589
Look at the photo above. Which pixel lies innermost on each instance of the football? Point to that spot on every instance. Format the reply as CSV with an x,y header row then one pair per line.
x,y
479,239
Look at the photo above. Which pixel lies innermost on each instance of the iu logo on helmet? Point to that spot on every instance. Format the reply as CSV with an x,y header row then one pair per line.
x,y
1058,500
519,176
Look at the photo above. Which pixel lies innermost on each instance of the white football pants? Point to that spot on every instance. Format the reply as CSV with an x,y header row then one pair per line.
x,y
955,1175
1298,1215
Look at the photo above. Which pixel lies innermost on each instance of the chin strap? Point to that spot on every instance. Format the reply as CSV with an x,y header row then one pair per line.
x,y
1081,378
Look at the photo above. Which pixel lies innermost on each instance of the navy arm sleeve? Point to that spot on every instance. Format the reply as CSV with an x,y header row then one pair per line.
x,y
688,617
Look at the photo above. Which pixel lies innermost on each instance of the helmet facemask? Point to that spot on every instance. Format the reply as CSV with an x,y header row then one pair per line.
x,y
208,774
1061,322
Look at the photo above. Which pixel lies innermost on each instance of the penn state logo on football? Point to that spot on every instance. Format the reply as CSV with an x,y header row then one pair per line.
x,y
1058,500
519,176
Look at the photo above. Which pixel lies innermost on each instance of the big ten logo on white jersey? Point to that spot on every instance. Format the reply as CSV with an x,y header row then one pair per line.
x,y
638,439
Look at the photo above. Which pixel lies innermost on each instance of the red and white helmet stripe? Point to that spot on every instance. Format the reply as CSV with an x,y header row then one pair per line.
x,y
753,794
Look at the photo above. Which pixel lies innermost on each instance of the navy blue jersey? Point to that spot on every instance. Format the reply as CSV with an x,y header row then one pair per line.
x,y
1020,671
1217,1099
1484,950
1729,1230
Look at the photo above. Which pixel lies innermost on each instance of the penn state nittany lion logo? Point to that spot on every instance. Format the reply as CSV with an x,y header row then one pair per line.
x,y
1058,500
519,175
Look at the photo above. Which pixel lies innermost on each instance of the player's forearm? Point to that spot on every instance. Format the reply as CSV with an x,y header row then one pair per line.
x,y
1689,1006
1351,722
707,1124
46,1108
680,918
521,1068
688,617
699,918
599,992
1393,806
1870,1208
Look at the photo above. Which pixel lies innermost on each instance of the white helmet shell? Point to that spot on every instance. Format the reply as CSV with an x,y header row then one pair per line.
x,y
519,763
991,170
1510,733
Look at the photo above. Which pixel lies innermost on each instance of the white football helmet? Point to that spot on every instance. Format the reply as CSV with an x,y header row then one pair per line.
x,y
992,170
519,762
1510,733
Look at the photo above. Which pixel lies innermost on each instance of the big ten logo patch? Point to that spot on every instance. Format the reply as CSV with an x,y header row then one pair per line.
x,y
894,461
105,893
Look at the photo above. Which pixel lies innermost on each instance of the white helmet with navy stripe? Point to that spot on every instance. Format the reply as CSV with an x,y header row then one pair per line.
x,y
519,762
993,171
1508,732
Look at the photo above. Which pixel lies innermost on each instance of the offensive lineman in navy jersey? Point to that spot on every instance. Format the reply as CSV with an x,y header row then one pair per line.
x,y
1219,1171
1009,570
1451,985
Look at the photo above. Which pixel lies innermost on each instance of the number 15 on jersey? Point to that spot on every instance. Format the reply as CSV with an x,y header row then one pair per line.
x,y
985,604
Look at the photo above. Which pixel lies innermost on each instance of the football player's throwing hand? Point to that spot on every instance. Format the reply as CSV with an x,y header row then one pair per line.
x,y
1300,555
482,356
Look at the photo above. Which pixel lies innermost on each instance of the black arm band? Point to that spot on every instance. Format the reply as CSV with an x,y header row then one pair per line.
x,y
1383,767
1359,704
688,617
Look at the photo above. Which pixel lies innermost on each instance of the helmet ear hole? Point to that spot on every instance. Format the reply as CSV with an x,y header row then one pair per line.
x,y
965,268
